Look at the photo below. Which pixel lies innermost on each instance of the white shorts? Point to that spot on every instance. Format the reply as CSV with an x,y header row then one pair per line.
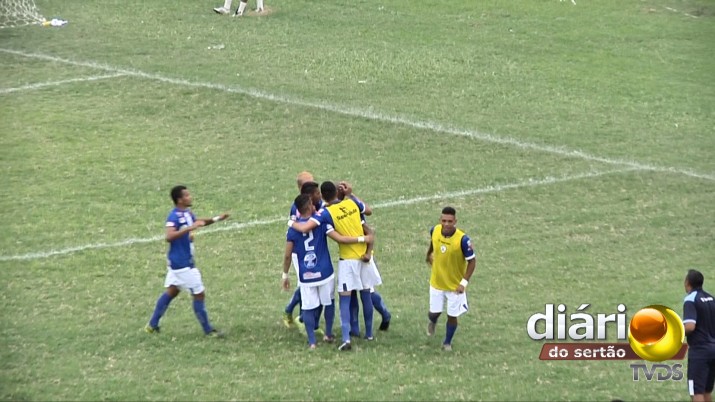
x,y
372,277
456,302
188,279
313,296
357,275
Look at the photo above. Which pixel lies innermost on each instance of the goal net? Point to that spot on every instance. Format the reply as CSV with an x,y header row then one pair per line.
x,y
16,13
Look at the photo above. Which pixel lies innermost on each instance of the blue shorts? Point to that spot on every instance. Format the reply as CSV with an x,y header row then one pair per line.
x,y
701,376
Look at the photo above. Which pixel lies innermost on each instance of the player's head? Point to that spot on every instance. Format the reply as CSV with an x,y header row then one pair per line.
x,y
303,177
304,205
181,196
448,220
693,280
328,190
312,189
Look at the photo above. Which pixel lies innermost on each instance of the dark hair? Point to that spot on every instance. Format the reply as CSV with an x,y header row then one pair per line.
x,y
177,192
302,203
695,279
308,187
449,211
328,190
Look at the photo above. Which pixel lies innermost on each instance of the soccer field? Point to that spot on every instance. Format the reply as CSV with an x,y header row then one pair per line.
x,y
576,142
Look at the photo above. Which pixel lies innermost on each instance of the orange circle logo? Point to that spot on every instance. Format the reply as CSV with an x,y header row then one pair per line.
x,y
656,333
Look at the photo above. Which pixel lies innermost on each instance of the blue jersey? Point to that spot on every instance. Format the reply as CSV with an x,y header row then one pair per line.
x,y
699,308
314,265
294,214
181,250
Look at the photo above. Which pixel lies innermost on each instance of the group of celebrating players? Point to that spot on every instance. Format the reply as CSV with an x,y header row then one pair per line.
x,y
319,212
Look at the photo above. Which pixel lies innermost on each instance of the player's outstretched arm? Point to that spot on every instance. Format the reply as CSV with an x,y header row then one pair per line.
x,y
215,219
172,233
303,227
349,240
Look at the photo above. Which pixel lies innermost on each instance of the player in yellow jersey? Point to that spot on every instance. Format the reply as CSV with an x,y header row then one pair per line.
x,y
452,259
345,189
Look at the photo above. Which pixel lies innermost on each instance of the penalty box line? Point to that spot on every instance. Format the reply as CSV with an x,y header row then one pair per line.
x,y
385,204
376,116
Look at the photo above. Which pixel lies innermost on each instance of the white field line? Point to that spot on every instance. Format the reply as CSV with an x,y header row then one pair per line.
x,y
386,204
57,83
376,116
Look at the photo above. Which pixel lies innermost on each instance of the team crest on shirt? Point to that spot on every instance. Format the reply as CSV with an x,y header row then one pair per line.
x,y
443,248
310,260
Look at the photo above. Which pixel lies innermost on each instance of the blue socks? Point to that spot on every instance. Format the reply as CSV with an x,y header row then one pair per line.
x,y
161,305
451,329
309,320
202,315
354,314
367,311
329,319
294,301
345,317
380,306
318,312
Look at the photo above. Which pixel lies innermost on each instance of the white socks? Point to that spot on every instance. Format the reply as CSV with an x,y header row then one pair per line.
x,y
227,4
259,5
241,7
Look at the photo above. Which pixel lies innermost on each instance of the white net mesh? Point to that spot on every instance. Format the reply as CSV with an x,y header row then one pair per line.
x,y
16,13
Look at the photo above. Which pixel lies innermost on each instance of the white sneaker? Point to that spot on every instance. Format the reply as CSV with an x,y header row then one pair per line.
x,y
237,14
222,10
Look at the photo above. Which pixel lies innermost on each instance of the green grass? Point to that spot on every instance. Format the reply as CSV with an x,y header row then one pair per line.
x,y
474,104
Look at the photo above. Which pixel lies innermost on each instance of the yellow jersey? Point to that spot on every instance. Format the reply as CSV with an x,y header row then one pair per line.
x,y
450,256
347,222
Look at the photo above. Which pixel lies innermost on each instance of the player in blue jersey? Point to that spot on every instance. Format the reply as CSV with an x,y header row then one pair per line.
x,y
699,323
306,185
315,268
452,259
182,272
311,189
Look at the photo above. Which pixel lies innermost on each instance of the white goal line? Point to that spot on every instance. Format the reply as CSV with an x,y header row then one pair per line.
x,y
386,204
376,116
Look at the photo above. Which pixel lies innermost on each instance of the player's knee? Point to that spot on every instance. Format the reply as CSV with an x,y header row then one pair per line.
x,y
172,291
